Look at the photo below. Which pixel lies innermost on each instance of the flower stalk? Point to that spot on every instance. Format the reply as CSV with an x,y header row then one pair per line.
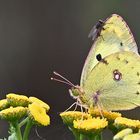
x,y
17,132
23,122
27,129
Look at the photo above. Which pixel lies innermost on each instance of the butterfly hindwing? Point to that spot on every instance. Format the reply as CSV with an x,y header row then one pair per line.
x,y
117,82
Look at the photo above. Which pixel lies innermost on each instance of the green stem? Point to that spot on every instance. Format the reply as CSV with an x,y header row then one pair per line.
x,y
27,129
114,129
98,137
94,136
23,122
82,137
75,133
91,137
17,130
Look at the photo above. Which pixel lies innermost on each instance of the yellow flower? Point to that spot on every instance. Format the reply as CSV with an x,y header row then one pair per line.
x,y
90,125
135,136
3,104
120,135
13,113
43,104
69,116
38,114
107,114
17,100
125,122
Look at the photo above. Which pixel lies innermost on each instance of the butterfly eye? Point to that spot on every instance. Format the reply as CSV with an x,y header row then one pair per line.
x,y
99,57
117,75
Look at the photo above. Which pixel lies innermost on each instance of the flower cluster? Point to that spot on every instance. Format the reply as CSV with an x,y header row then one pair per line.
x,y
91,125
83,125
127,134
19,110
129,129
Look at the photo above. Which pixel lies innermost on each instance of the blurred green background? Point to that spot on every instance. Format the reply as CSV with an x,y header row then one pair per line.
x,y
40,36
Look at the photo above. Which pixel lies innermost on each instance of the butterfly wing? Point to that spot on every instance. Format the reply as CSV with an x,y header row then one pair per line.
x,y
114,93
115,37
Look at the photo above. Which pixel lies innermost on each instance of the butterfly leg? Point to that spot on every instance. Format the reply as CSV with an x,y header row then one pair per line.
x,y
71,106
96,102
100,110
76,105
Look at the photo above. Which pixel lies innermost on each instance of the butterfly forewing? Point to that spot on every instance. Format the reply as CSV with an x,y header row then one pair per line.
x,y
115,37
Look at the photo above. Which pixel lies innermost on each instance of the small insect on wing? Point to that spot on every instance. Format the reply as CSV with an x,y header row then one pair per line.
x,y
93,33
96,30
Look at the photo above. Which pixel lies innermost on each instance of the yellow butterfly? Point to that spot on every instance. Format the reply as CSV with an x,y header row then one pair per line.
x,y
111,74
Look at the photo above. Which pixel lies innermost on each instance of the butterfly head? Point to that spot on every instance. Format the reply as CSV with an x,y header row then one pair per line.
x,y
76,91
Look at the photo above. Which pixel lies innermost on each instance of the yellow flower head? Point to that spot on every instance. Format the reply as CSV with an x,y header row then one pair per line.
x,y
69,116
135,136
90,125
120,135
13,113
43,104
107,114
3,104
17,100
125,123
38,114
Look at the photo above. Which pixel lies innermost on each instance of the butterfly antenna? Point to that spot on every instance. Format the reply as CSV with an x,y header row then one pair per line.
x,y
64,80
61,81
57,74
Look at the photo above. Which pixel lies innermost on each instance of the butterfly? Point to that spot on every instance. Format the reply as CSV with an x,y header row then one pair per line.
x,y
111,74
